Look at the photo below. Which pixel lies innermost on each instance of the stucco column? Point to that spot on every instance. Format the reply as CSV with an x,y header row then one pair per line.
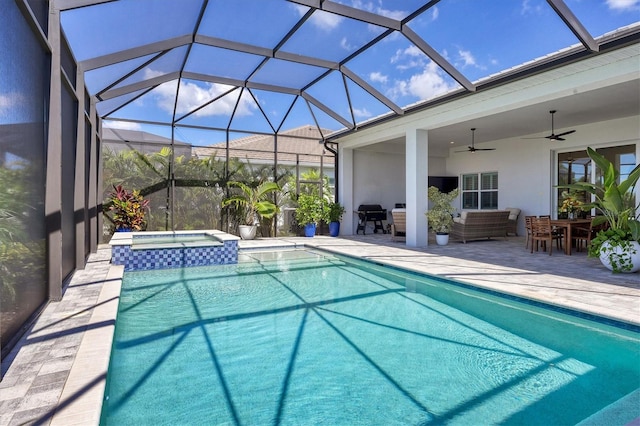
x,y
416,160
345,190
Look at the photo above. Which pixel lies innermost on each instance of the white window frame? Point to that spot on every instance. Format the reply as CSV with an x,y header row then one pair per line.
x,y
478,190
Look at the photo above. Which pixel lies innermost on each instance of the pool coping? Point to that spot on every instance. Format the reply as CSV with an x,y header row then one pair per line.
x,y
82,395
84,388
126,238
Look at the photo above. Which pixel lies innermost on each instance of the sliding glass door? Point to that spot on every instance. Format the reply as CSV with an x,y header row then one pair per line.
x,y
576,166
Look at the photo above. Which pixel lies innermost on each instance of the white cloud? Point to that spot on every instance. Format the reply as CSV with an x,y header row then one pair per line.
x,y
467,58
324,20
527,9
344,43
410,52
393,14
361,113
124,125
435,13
369,6
193,96
5,104
426,85
378,77
623,4
10,101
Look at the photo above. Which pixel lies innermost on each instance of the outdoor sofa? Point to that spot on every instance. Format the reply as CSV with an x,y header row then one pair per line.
x,y
483,224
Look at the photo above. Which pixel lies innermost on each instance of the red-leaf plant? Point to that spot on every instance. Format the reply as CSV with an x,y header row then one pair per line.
x,y
128,209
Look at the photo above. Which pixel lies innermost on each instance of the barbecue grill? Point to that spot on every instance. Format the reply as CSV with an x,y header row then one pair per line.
x,y
371,213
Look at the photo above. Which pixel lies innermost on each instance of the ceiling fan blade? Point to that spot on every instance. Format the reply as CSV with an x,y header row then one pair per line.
x,y
553,136
485,149
566,133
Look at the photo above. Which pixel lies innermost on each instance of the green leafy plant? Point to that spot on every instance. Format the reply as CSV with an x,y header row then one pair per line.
x,y
311,209
617,204
440,215
128,208
335,212
253,201
616,246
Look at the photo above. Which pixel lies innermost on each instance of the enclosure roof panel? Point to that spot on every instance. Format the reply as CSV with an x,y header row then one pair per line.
x,y
332,64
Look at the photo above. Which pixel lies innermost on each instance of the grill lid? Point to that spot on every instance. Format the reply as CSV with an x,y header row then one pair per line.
x,y
370,207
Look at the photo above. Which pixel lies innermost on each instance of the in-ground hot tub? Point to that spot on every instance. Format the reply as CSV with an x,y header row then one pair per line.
x,y
172,249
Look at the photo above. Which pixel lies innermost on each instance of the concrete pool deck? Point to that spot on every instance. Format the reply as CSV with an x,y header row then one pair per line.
x,y
55,375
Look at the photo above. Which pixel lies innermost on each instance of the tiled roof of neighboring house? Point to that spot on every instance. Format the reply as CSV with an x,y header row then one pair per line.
x,y
137,136
302,142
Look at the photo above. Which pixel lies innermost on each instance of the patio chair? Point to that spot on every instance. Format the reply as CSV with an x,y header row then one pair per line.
x,y
527,227
584,234
542,231
559,233
399,225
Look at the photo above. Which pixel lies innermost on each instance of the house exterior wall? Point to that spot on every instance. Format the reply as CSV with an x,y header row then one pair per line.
x,y
526,167
378,178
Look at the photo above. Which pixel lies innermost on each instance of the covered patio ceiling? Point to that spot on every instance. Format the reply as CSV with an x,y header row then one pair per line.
x,y
264,66
612,102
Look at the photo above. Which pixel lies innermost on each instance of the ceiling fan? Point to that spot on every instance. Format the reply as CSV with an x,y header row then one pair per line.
x,y
553,136
473,148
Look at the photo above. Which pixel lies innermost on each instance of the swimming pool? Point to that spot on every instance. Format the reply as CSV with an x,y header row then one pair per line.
x,y
305,337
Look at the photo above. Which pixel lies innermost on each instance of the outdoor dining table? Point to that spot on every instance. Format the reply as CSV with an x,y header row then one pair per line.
x,y
568,224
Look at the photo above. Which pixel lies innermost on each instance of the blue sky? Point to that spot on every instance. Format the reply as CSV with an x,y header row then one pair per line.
x,y
479,37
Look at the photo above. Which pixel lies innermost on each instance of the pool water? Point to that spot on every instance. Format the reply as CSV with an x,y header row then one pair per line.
x,y
301,337
174,240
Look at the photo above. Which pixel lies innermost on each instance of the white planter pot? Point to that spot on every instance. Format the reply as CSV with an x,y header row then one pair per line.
x,y
442,239
247,232
620,256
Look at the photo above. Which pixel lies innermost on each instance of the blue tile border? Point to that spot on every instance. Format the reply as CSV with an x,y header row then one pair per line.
x,y
174,257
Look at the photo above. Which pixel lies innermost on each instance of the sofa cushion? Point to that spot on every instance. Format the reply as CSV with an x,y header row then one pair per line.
x,y
513,213
461,218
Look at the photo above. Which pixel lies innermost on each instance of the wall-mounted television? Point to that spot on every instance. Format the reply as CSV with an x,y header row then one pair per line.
x,y
444,183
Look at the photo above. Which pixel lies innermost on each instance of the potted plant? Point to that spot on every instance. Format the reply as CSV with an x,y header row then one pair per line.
x,y
618,246
252,203
128,209
440,216
311,210
335,212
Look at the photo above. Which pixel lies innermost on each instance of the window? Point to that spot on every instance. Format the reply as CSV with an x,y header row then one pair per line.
x,y
480,191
